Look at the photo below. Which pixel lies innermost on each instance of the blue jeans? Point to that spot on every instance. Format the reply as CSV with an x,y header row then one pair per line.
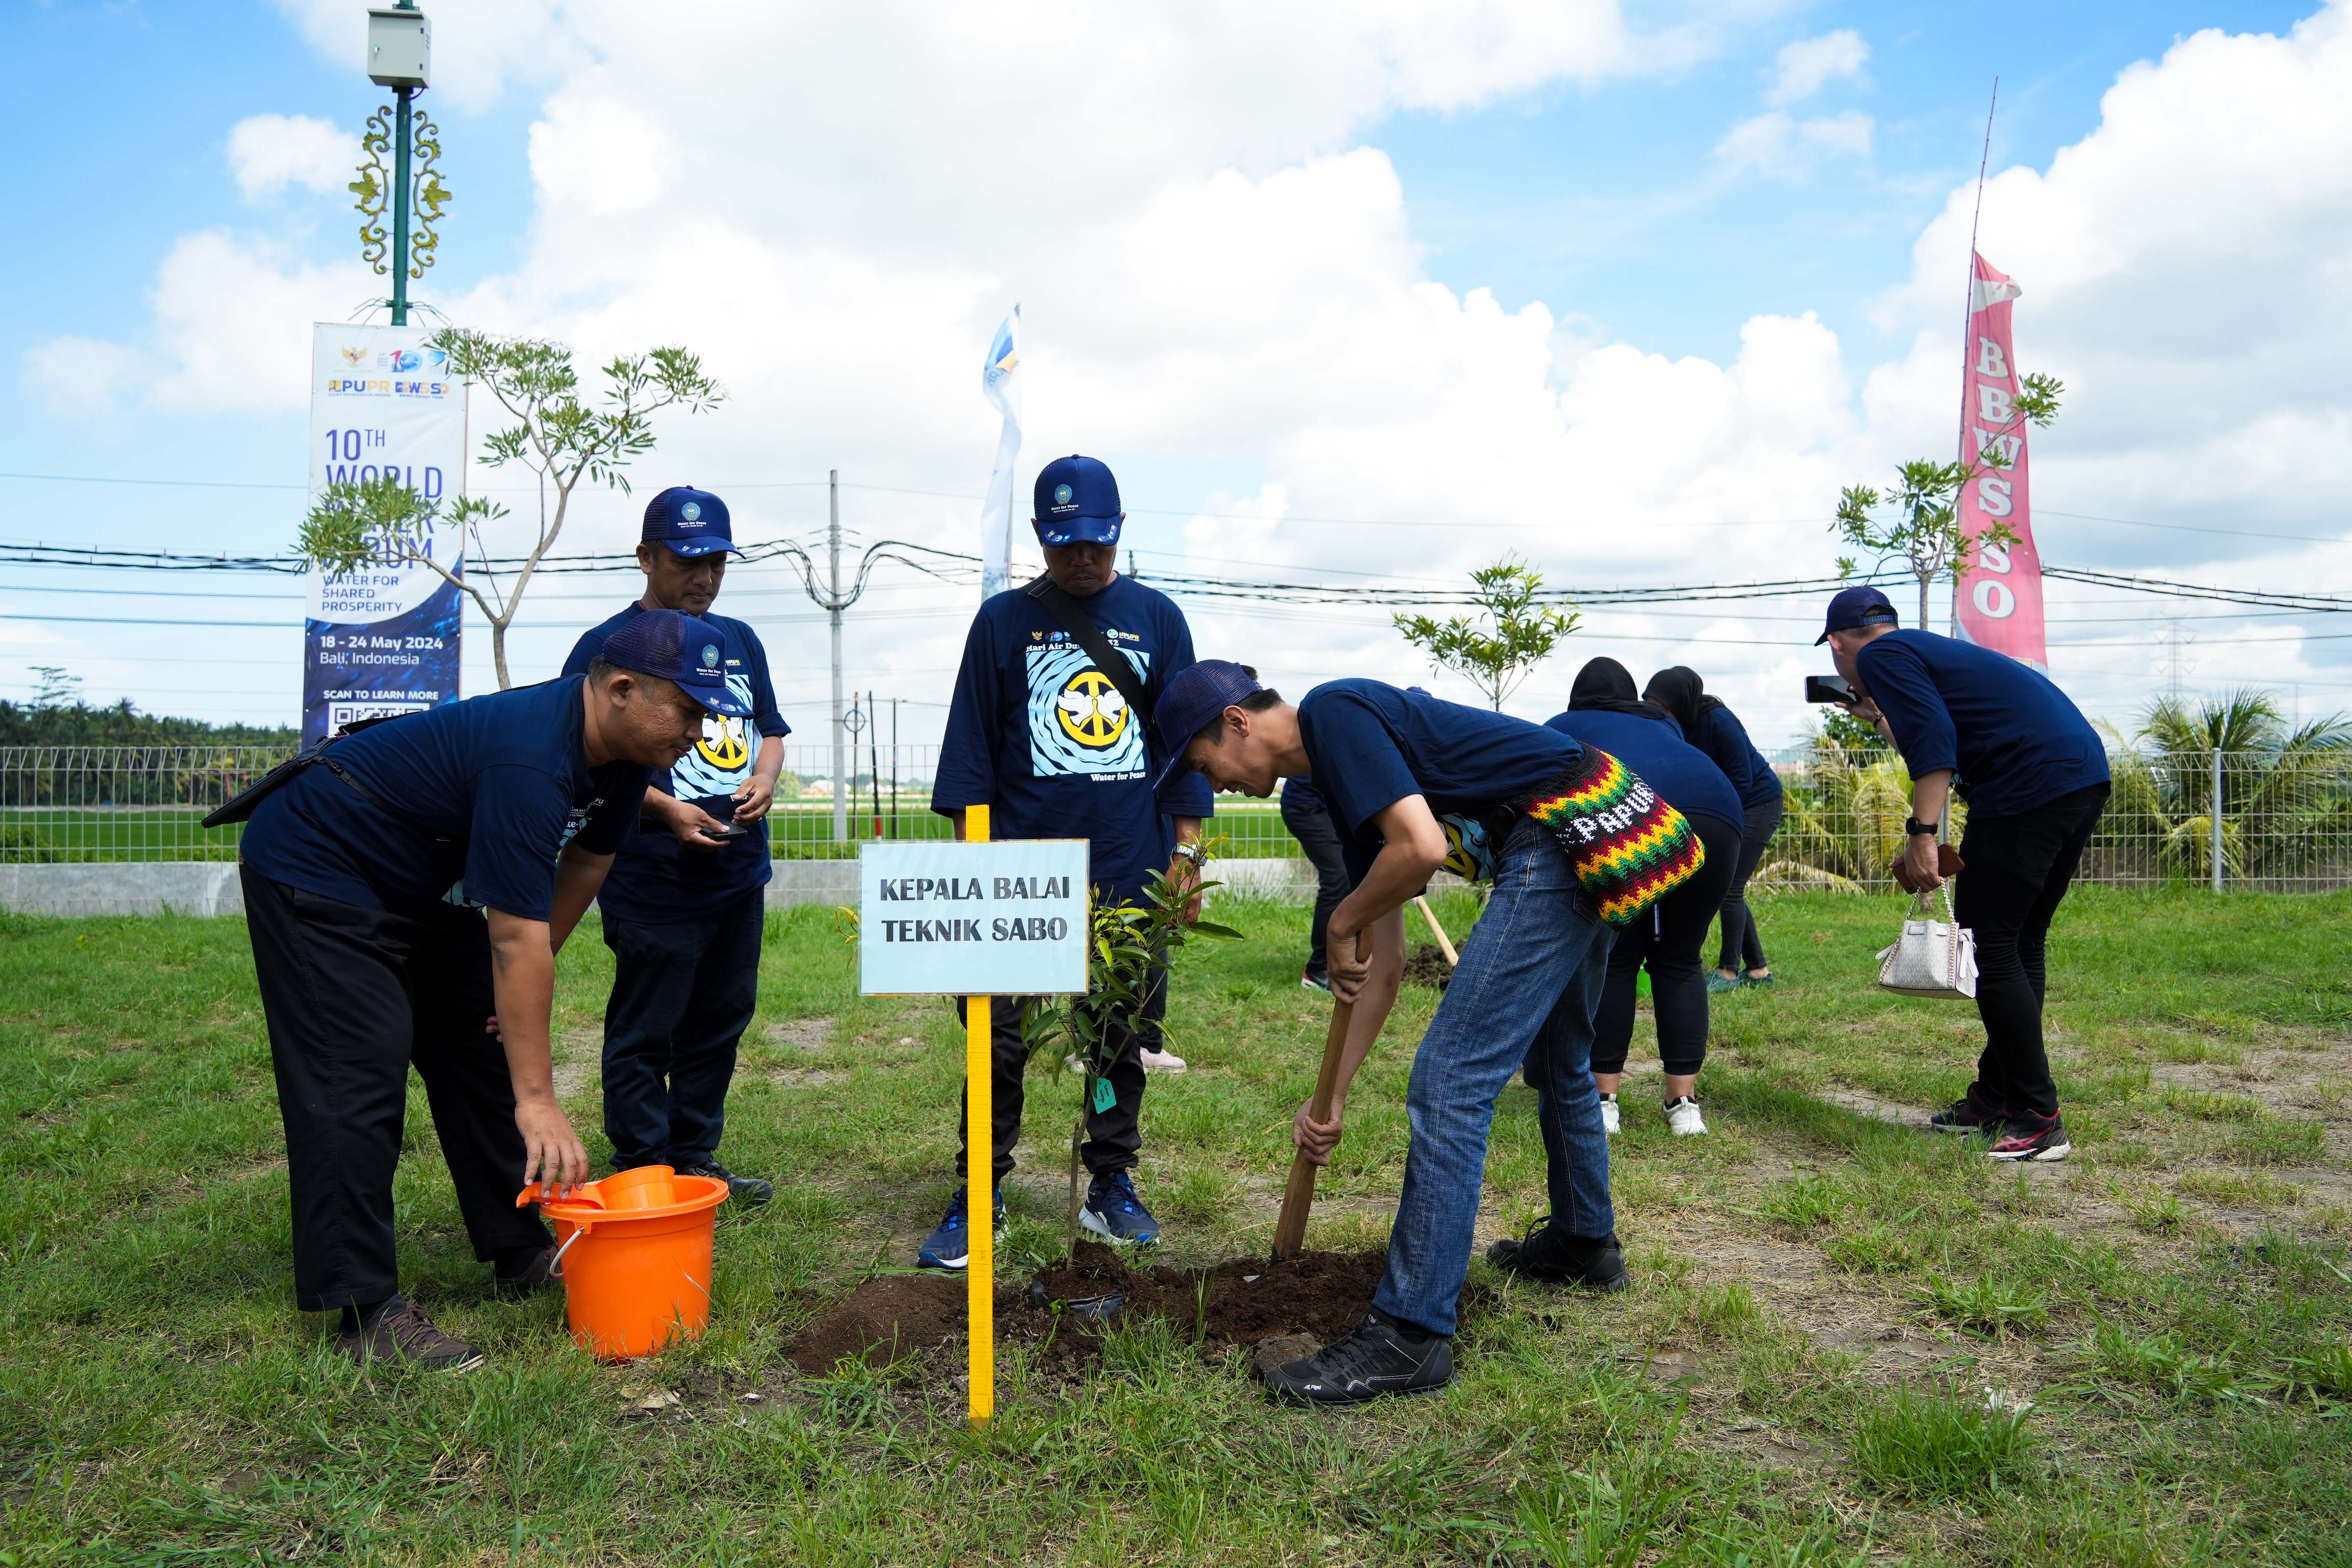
x,y
1524,995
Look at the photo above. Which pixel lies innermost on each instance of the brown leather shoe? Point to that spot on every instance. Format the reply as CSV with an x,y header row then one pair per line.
x,y
537,1275
404,1333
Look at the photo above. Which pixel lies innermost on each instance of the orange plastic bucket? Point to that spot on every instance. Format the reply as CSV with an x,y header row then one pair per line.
x,y
637,1273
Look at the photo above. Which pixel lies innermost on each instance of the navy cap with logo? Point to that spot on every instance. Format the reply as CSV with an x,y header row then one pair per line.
x,y
1191,704
689,521
677,646
1854,608
1077,502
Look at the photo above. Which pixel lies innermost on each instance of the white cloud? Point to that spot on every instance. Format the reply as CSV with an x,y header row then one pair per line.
x,y
1803,68
267,153
1781,147
78,376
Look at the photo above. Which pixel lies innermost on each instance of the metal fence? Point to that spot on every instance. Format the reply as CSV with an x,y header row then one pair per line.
x,y
2285,822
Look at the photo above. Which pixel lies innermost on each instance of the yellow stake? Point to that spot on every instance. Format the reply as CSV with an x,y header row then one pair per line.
x,y
980,1151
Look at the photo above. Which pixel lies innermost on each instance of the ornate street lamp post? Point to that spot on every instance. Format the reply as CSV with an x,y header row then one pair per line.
x,y
400,49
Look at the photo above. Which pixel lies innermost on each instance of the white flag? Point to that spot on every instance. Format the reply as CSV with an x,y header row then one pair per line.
x,y
997,378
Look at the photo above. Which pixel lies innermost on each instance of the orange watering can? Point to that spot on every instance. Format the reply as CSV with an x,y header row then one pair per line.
x,y
634,1256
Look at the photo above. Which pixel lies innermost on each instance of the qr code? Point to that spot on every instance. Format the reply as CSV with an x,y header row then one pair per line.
x,y
339,714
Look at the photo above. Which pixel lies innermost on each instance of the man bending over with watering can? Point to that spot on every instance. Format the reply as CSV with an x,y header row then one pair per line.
x,y
402,885
1576,843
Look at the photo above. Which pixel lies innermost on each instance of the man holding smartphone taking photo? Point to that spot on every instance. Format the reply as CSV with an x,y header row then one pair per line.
x,y
2035,775
683,907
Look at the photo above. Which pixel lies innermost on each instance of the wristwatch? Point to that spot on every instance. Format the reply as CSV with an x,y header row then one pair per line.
x,y
1192,852
1913,828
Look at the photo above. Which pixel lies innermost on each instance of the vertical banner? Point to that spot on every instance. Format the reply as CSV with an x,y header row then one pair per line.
x,y
997,379
384,640
1998,602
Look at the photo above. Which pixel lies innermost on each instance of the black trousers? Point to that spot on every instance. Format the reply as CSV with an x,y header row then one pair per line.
x,y
2018,871
353,997
1668,937
1742,948
1113,1137
1317,834
683,994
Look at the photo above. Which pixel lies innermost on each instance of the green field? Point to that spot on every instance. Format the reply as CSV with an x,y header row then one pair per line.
x,y
1835,1319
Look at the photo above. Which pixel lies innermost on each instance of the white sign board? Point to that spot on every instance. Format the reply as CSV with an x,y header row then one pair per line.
x,y
941,919
384,640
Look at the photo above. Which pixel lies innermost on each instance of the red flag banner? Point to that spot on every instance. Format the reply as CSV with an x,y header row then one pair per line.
x,y
1999,600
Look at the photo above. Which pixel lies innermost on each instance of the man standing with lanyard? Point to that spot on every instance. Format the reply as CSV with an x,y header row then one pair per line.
x,y
1056,737
683,909
419,878
1393,766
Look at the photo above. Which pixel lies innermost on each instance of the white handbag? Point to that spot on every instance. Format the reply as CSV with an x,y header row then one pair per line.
x,y
1932,958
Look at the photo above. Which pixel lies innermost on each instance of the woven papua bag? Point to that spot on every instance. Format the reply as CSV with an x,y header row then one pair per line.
x,y
1628,846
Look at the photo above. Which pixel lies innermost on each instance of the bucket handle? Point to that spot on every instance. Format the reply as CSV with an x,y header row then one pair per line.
x,y
555,1264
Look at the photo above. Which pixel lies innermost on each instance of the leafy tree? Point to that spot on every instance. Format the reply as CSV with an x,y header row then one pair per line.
x,y
1132,945
1524,631
55,686
561,439
2284,787
1921,527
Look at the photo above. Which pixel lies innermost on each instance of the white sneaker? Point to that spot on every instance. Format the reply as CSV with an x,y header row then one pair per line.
x,y
1682,1117
1163,1061
1609,1120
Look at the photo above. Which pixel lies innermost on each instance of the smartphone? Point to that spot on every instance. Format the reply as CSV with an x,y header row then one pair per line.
x,y
1828,688
725,830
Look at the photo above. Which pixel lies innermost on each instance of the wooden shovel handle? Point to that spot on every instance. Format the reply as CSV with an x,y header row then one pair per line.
x,y
1444,943
1298,1197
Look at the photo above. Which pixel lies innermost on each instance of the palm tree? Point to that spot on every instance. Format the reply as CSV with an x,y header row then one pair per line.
x,y
2286,790
1844,821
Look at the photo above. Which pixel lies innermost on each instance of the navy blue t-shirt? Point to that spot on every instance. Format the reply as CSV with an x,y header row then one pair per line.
x,y
473,802
1044,739
2015,740
655,877
1371,745
1683,775
1723,739
1300,792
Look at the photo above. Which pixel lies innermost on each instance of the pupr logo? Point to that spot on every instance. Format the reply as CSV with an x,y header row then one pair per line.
x,y
691,512
710,656
1061,495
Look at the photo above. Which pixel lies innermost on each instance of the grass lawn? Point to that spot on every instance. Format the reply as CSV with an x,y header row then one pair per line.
x,y
1847,1341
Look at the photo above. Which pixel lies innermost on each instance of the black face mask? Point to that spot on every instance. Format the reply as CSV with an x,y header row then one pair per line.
x,y
1607,686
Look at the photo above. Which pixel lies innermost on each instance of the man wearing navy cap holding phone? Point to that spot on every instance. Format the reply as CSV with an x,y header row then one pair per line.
x,y
683,909
1056,738
2002,736
404,884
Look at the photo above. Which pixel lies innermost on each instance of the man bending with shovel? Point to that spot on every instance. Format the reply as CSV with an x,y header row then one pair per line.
x,y
1393,765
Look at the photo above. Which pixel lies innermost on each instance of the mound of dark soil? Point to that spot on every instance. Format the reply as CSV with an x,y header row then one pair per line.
x,y
1303,1302
1427,966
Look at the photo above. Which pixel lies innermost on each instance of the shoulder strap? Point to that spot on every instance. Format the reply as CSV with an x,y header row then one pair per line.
x,y
1089,636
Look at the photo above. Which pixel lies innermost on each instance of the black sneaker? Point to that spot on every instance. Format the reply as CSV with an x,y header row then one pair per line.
x,y
1597,1263
2029,1138
742,1189
536,1273
1115,1213
400,1331
1314,978
1969,1114
948,1245
1381,1358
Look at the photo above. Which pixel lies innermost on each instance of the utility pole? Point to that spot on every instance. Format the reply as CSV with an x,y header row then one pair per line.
x,y
832,610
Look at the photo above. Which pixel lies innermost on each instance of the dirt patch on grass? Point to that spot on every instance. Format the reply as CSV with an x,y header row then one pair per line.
x,y
802,1034
1240,1305
1427,966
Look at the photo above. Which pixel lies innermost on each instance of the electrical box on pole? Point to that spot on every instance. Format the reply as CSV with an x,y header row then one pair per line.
x,y
400,47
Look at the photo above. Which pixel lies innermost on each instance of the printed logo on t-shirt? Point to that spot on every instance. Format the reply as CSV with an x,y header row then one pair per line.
x,y
721,760
1079,723
1469,854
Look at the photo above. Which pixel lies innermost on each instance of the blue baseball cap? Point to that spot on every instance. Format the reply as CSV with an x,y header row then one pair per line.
x,y
1077,502
1191,704
689,521
676,646
1854,608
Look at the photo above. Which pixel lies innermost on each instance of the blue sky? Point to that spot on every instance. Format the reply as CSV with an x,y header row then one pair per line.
x,y
1609,203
